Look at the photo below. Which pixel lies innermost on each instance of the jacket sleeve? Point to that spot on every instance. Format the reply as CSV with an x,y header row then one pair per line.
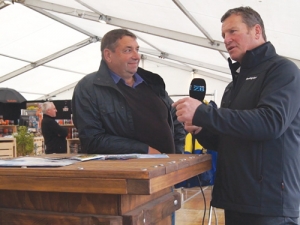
x,y
93,136
179,133
277,106
57,129
207,139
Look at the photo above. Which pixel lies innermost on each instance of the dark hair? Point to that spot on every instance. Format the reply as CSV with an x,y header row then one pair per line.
x,y
250,17
111,38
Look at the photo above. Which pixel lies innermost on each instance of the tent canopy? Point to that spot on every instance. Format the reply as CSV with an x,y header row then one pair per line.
x,y
47,46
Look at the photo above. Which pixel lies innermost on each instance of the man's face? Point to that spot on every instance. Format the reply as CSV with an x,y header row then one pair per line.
x,y
52,111
125,59
238,38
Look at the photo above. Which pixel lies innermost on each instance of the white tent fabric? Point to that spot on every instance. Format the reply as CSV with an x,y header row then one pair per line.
x,y
47,46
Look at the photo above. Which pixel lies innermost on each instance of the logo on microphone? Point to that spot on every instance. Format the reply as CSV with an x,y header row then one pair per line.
x,y
197,88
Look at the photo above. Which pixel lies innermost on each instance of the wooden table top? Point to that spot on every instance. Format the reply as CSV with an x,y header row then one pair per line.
x,y
132,176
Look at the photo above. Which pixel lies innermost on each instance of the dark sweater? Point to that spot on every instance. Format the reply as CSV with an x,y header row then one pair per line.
x,y
54,135
150,117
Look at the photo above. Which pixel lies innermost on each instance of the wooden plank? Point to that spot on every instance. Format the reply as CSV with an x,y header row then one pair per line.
x,y
6,145
9,143
132,168
153,212
26,217
158,183
161,182
60,184
6,153
100,204
130,202
6,149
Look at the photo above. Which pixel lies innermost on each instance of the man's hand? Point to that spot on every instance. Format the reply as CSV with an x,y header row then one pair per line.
x,y
186,108
153,151
191,128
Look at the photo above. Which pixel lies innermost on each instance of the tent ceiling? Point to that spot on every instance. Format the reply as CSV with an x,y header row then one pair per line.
x,y
47,46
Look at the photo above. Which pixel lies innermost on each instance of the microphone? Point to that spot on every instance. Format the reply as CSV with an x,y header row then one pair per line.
x,y
198,89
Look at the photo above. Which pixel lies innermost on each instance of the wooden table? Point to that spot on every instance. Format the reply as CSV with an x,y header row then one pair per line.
x,y
112,192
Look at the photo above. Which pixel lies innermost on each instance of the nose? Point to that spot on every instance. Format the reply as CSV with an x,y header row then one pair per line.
x,y
136,55
227,39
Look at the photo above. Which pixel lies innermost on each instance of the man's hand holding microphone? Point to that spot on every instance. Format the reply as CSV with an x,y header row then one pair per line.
x,y
186,107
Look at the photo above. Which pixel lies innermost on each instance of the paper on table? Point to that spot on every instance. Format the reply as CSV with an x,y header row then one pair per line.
x,y
35,162
153,156
65,161
85,157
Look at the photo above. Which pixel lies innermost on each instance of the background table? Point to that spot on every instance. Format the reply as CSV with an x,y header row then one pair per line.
x,y
112,192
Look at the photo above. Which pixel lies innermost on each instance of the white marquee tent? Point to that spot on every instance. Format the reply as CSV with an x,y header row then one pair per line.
x,y
47,46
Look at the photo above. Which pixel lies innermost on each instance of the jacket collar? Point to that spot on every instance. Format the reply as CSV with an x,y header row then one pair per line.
x,y
258,55
253,57
103,78
46,115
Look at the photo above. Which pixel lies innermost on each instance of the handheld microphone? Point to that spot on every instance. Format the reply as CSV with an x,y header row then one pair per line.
x,y
198,89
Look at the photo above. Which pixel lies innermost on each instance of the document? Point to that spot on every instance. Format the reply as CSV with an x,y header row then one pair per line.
x,y
85,157
27,161
57,161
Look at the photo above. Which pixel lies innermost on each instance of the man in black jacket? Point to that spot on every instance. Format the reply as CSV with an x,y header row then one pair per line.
x,y
257,129
54,135
122,108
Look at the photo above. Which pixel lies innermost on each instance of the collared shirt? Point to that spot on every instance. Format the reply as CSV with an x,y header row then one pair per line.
x,y
137,79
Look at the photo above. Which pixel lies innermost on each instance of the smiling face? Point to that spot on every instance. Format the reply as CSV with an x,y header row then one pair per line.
x,y
239,38
125,58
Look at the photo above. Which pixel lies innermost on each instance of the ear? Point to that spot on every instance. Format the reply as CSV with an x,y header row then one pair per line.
x,y
107,55
258,31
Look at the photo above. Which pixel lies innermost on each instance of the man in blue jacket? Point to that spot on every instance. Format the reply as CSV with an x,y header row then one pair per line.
x,y
257,129
122,108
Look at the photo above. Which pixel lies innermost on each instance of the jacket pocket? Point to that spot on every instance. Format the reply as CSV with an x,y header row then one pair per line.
x,y
106,109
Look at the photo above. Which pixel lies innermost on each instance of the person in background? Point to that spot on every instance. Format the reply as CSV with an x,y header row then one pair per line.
x,y
54,134
123,108
257,129
39,114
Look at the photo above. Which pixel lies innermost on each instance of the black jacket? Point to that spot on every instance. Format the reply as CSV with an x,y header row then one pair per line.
x,y
104,120
54,135
257,135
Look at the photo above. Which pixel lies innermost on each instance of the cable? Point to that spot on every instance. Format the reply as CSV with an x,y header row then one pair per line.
x,y
203,199
209,215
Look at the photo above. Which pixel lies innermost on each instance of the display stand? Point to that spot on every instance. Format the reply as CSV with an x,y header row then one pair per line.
x,y
39,146
13,128
8,148
73,143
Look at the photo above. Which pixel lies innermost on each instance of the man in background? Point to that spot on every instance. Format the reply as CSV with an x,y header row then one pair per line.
x,y
257,129
54,134
122,108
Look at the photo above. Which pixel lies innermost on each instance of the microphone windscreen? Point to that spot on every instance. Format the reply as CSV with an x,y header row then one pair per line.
x,y
198,89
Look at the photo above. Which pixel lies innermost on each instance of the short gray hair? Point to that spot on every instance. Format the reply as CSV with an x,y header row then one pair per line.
x,y
46,106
